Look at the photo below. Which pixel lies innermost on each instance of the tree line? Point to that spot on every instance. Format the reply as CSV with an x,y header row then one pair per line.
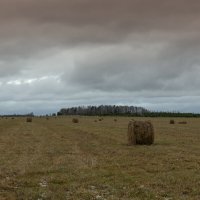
x,y
114,110
103,110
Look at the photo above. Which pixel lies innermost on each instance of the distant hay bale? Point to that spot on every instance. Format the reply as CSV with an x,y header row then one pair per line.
x,y
29,119
172,121
115,120
100,119
183,122
140,132
75,120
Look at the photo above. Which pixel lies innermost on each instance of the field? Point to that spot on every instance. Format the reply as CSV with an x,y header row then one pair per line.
x,y
57,159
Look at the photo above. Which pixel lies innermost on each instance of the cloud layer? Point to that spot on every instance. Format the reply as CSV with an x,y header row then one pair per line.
x,y
62,53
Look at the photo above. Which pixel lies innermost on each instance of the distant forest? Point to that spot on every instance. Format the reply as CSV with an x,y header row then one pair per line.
x,y
102,110
19,115
109,110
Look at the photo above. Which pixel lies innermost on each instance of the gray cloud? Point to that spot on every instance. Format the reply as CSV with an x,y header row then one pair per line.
x,y
65,53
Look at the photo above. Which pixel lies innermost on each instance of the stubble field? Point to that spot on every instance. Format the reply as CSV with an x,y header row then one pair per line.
x,y
57,159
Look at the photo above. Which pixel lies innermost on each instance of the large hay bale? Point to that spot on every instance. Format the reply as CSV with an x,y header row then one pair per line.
x,y
140,132
75,120
172,121
29,119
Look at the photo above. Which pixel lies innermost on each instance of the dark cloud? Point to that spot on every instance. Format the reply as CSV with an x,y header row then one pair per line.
x,y
30,27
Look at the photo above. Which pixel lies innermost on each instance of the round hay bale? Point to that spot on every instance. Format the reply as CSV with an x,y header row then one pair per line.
x,y
115,120
140,132
75,120
172,121
29,119
183,122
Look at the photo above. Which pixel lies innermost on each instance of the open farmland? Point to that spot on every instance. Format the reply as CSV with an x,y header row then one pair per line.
x,y
58,159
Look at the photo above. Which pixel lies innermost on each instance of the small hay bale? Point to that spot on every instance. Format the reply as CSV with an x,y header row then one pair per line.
x,y
29,119
172,121
100,119
75,120
115,120
183,122
140,132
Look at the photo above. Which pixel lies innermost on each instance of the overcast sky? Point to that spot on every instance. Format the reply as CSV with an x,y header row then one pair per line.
x,y
62,53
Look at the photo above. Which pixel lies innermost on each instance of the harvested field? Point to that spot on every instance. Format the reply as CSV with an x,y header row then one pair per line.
x,y
57,159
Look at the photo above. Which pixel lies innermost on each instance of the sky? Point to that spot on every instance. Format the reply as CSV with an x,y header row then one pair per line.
x,y
63,53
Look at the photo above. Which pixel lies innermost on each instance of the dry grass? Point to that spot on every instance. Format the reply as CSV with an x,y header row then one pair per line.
x,y
53,159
